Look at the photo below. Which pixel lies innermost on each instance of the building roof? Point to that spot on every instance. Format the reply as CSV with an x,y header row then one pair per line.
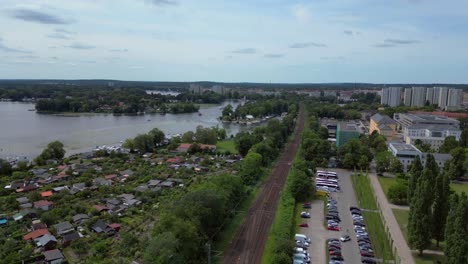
x,y
45,239
404,147
62,227
42,203
347,127
35,234
434,127
383,119
80,217
70,236
46,194
52,254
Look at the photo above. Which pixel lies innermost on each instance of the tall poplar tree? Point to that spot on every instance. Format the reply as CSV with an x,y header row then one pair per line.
x,y
456,249
440,206
414,175
420,217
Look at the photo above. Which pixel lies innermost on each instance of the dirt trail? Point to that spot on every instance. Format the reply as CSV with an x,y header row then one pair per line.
x,y
249,241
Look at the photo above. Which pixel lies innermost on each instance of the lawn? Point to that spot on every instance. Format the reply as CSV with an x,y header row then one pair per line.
x,y
459,188
226,145
402,219
364,192
428,258
375,227
386,182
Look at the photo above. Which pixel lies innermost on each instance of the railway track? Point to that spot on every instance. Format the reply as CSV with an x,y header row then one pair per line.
x,y
249,241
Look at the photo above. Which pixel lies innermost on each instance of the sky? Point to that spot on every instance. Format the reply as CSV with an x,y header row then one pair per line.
x,y
280,41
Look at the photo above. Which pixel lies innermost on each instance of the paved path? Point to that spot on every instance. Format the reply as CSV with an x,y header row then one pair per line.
x,y
345,199
399,241
400,207
316,232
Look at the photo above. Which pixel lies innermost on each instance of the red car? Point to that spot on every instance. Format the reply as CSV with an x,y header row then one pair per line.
x,y
334,253
334,228
304,225
367,254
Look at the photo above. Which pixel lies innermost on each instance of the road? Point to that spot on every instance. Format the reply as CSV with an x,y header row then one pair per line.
x,y
345,199
248,243
317,232
399,241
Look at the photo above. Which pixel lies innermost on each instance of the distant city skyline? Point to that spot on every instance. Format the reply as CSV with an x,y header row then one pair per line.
x,y
279,41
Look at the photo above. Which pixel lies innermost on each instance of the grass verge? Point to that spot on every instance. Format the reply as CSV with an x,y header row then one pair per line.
x,y
374,225
226,145
459,188
386,182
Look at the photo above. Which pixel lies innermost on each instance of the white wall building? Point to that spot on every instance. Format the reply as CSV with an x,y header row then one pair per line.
x,y
418,96
407,96
406,153
434,135
391,96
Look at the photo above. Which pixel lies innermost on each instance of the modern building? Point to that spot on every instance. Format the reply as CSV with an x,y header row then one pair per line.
x,y
443,97
345,132
391,96
407,96
406,153
454,99
384,125
405,120
433,135
418,96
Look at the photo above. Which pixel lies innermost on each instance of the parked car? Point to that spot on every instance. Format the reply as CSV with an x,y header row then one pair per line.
x,y
307,205
305,215
339,258
368,260
345,238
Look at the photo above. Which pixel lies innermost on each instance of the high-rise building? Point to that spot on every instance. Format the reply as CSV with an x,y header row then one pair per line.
x,y
430,95
418,96
435,96
384,96
443,97
391,96
407,97
454,99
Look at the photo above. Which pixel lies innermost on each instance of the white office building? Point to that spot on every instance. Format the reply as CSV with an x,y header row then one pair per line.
x,y
433,135
406,153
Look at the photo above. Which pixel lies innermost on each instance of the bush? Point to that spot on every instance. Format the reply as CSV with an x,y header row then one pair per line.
x,y
397,193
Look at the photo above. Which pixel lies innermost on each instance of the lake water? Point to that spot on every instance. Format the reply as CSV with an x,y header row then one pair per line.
x,y
26,133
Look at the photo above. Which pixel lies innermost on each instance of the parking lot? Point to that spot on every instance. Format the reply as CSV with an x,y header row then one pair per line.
x,y
318,233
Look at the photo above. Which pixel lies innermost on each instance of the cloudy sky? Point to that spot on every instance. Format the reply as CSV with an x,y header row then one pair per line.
x,y
385,41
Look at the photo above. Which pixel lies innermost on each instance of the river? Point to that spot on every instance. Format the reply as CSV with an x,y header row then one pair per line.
x,y
26,133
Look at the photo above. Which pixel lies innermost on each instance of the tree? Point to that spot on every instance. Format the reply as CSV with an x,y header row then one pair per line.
x,y
419,222
395,165
414,175
382,160
456,167
188,137
449,143
5,167
440,206
301,185
54,150
157,135
398,193
251,169
456,230
464,138
244,141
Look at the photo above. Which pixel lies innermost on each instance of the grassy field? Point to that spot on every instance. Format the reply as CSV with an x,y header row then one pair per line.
x,y
364,193
386,182
226,145
459,188
375,227
402,219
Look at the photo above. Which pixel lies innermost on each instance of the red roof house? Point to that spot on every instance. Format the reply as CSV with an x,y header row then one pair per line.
x,y
35,234
46,194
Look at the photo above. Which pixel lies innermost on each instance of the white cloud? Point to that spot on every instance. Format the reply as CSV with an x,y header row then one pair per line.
x,y
301,13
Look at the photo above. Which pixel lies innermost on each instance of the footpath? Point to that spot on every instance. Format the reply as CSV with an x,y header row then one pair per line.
x,y
403,250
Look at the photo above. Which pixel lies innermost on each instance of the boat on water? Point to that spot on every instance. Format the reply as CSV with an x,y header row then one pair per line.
x,y
199,113
31,109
